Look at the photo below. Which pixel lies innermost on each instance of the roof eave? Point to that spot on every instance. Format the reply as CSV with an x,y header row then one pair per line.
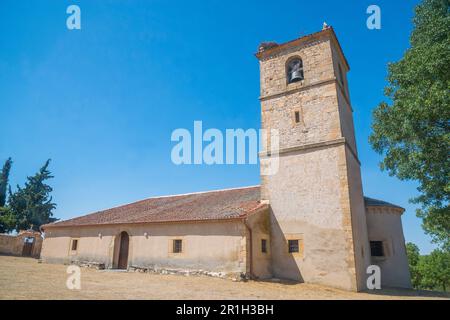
x,y
144,222
395,208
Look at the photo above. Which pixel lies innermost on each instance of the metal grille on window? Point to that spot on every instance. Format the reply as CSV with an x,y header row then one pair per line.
x,y
177,246
293,246
376,248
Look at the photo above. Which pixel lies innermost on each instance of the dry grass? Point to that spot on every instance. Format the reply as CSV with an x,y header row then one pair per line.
x,y
25,278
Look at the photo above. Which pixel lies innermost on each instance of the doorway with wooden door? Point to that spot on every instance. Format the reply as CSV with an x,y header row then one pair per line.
x,y
123,243
27,249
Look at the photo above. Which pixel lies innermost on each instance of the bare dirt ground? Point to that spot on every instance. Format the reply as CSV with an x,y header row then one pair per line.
x,y
25,278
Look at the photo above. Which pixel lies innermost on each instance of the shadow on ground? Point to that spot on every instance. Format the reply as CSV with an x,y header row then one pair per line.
x,y
398,292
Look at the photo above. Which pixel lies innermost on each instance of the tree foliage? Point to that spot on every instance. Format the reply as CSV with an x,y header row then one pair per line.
x,y
413,259
4,177
7,220
429,271
32,205
412,131
434,270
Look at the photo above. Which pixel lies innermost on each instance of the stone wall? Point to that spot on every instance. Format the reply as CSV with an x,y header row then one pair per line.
x,y
319,116
13,244
305,197
317,66
316,196
354,221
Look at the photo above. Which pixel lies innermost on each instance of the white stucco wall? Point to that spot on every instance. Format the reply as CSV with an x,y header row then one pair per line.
x,y
384,224
211,246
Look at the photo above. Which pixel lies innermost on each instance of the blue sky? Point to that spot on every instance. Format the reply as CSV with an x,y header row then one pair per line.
x,y
102,101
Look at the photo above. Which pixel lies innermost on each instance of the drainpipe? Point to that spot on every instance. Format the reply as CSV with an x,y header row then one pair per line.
x,y
250,234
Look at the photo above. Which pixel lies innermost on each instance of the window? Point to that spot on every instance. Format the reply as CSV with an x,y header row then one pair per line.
x,y
294,70
263,245
376,248
74,245
297,116
177,246
293,246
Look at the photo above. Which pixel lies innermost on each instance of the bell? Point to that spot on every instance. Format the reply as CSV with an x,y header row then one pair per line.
x,y
295,75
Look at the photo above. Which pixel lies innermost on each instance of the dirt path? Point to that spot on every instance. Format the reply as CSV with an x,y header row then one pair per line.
x,y
25,278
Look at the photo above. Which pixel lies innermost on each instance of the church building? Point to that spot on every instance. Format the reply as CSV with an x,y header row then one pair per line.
x,y
308,222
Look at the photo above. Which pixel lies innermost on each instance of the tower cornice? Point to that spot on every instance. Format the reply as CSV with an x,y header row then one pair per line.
x,y
266,52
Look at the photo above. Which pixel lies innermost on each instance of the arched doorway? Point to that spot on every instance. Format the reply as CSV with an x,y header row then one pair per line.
x,y
122,262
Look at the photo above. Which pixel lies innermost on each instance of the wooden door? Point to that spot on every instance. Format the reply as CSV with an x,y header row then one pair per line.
x,y
27,249
123,251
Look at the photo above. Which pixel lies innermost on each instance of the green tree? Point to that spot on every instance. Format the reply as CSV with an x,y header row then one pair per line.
x,y
435,270
4,177
32,205
7,220
413,259
412,131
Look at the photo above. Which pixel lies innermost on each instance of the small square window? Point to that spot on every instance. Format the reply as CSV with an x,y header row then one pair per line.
x,y
74,245
293,246
263,245
177,246
376,248
297,116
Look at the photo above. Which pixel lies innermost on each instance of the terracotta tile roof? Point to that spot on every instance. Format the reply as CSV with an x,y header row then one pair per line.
x,y
370,202
212,205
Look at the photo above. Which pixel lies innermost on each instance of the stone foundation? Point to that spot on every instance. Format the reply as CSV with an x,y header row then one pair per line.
x,y
234,276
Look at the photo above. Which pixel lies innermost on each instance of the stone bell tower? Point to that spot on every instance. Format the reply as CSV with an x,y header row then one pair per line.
x,y
318,222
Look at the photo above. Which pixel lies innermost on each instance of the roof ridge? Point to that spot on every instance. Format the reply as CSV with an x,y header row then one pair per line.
x,y
178,195
198,192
